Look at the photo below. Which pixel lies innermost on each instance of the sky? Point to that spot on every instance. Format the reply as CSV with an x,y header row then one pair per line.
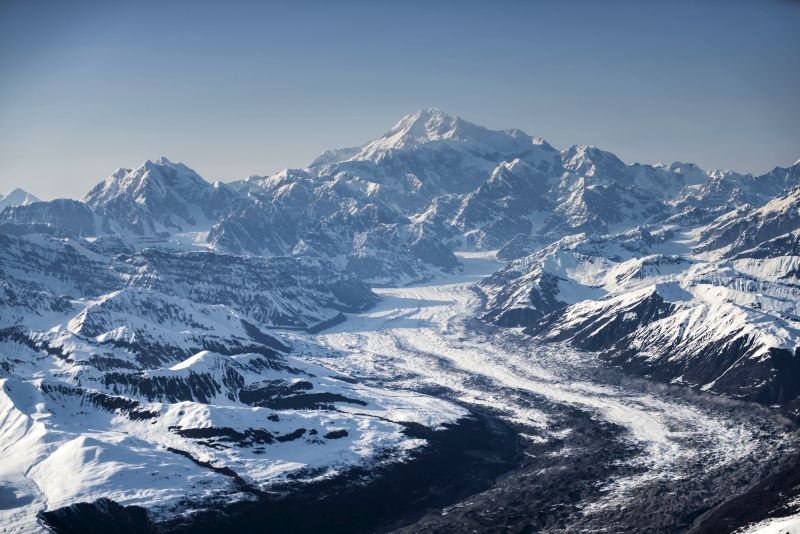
x,y
234,89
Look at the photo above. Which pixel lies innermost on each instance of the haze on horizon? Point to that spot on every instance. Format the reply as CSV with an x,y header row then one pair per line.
x,y
243,88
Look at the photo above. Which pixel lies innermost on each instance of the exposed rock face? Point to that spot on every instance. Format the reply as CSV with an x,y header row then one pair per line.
x,y
103,515
62,217
600,326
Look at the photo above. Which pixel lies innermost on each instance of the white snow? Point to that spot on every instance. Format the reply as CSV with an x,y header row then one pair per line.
x,y
777,525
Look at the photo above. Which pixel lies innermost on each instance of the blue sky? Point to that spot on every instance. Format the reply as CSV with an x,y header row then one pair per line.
x,y
234,89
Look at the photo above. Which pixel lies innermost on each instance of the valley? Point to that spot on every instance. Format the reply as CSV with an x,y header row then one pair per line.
x,y
648,444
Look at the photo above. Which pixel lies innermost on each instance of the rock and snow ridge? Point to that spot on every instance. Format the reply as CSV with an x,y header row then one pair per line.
x,y
654,306
164,313
426,184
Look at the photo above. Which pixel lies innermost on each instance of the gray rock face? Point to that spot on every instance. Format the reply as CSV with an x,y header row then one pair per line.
x,y
60,266
62,217
604,326
287,292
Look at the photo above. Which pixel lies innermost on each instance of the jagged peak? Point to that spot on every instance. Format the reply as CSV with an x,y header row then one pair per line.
x,y
428,124
692,174
588,151
540,141
587,158
682,166
719,174
160,174
17,191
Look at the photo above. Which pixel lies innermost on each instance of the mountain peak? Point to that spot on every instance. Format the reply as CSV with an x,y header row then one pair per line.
x,y
162,163
429,113
432,125
17,197
149,178
588,159
17,191
691,173
429,124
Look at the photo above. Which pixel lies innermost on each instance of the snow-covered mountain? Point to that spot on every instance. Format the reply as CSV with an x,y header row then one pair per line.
x,y
430,153
746,228
139,376
713,307
17,197
159,197
156,337
339,217
394,209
